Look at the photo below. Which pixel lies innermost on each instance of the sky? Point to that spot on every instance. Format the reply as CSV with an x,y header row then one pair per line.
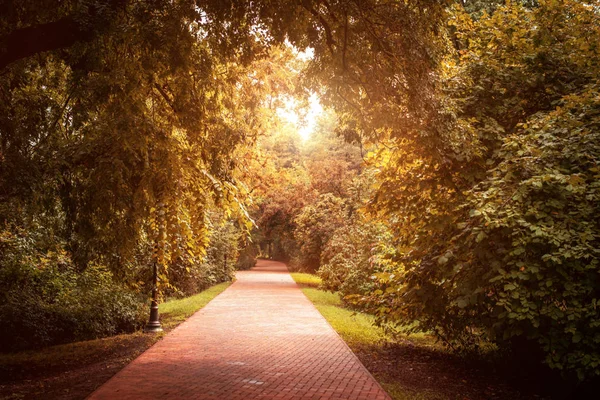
x,y
292,114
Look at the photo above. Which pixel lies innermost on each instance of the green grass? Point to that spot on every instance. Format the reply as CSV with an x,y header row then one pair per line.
x,y
304,279
355,328
173,312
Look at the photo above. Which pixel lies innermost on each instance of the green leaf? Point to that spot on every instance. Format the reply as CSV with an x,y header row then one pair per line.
x,y
474,213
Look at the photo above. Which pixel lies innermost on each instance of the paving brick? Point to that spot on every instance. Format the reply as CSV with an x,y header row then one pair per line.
x,y
259,339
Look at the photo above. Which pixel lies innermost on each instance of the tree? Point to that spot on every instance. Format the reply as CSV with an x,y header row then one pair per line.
x,y
494,230
316,225
144,87
127,134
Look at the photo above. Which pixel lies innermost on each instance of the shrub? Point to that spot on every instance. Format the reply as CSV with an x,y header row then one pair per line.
x,y
535,223
353,254
247,257
222,253
499,238
190,274
46,301
315,225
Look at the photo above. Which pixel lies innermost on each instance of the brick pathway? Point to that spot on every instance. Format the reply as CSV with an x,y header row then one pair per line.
x,y
260,339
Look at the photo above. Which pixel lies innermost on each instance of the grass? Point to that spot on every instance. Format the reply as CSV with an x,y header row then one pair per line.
x,y
355,328
174,312
74,370
361,334
304,279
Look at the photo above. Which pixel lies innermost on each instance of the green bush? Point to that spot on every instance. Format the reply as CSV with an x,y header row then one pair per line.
x,y
499,239
353,254
315,226
535,223
505,246
222,253
523,269
247,257
46,301
190,274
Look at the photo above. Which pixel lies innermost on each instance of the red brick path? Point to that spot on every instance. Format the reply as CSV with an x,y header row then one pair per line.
x,y
260,339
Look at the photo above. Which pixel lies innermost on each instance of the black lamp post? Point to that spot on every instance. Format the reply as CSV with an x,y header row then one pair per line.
x,y
153,324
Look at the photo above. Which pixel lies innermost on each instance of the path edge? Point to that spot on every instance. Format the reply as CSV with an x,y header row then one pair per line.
x,y
339,337
89,396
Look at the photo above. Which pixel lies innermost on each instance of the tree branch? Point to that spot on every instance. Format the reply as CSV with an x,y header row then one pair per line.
x,y
26,42
165,96
330,41
345,43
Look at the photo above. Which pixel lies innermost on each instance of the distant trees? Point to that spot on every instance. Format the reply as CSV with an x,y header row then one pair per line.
x,y
303,191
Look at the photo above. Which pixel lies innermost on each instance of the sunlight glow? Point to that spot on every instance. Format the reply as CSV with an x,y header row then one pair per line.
x,y
306,54
304,119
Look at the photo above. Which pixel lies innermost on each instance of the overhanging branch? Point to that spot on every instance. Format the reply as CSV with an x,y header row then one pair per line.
x,y
26,42
328,34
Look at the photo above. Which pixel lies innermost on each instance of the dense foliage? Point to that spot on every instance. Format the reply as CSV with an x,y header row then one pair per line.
x,y
498,228
354,253
45,300
303,193
483,224
119,122
462,200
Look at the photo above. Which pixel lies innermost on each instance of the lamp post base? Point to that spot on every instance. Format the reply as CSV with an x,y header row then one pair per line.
x,y
153,324
153,327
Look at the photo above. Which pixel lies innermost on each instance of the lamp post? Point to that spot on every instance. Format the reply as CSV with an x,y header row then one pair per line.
x,y
153,324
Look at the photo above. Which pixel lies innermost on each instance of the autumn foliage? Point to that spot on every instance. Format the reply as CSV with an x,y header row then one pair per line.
x,y
451,187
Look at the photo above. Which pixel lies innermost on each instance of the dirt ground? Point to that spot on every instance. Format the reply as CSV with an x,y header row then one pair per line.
x,y
425,373
75,375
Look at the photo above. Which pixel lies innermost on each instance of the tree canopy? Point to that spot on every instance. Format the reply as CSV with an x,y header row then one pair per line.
x,y
450,187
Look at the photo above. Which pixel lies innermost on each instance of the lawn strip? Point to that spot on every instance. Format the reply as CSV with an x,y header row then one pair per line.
x,y
362,336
